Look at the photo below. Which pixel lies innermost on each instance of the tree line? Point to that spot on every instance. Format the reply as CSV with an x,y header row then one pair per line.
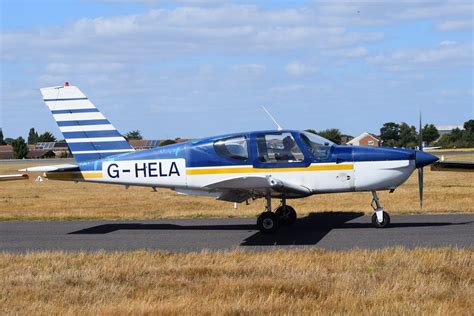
x,y
20,145
403,135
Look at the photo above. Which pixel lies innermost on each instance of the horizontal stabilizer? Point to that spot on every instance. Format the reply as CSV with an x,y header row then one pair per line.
x,y
8,177
64,167
459,166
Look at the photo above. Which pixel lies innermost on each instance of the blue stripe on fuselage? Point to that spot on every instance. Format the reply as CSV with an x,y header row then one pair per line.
x,y
83,122
89,134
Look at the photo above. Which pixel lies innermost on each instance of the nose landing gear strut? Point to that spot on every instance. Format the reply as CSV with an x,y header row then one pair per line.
x,y
380,219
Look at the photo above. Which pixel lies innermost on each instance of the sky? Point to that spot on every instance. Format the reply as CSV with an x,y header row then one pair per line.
x,y
196,68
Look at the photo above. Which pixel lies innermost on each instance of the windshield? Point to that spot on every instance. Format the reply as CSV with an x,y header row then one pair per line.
x,y
318,145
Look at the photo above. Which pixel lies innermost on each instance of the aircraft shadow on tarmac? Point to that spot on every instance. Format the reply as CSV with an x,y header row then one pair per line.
x,y
307,230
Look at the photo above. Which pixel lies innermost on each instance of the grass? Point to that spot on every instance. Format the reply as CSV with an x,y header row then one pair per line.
x,y
57,200
391,281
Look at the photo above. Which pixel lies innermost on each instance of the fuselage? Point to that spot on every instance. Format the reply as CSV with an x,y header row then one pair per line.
x,y
195,166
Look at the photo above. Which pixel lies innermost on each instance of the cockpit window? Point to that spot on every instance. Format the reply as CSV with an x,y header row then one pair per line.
x,y
318,145
234,148
278,147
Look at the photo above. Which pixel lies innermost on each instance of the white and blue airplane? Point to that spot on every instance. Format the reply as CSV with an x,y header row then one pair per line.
x,y
283,164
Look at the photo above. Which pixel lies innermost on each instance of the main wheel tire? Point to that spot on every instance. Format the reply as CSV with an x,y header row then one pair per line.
x,y
268,222
287,215
384,223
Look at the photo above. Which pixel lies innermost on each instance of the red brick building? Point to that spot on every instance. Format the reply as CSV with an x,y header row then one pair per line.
x,y
365,139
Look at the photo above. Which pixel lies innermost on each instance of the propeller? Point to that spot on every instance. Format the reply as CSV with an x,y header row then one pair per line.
x,y
420,169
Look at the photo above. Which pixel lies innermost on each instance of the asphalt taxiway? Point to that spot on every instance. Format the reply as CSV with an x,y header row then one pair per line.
x,y
336,231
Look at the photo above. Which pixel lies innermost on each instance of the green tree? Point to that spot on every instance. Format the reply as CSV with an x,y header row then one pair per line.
x,y
2,141
469,133
32,136
390,134
46,137
167,142
333,134
408,135
134,135
469,126
9,140
430,133
20,148
455,135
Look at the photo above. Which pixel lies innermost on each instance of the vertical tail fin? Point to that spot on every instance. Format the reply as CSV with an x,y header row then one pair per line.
x,y
88,133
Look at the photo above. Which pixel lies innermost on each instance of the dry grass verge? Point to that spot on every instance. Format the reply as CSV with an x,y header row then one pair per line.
x,y
56,200
390,281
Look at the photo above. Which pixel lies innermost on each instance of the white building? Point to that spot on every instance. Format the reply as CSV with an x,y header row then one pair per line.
x,y
446,129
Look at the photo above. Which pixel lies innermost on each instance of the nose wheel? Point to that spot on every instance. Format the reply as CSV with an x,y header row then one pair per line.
x,y
270,222
380,219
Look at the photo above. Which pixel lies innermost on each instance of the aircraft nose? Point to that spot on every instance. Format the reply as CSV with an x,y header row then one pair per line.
x,y
424,159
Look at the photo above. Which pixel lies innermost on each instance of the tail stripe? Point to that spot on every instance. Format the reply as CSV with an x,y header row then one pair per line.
x,y
79,123
72,105
114,151
65,99
87,128
71,111
90,134
78,116
95,139
98,146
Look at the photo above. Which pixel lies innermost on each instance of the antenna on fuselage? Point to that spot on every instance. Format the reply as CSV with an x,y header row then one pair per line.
x,y
272,118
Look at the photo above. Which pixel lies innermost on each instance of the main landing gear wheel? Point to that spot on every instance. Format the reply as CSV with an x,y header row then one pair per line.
x,y
287,215
385,222
268,222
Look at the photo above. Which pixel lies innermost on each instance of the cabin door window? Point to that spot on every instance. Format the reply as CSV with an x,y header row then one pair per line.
x,y
278,147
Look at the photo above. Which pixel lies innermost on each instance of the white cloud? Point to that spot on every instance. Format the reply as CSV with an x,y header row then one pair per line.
x,y
446,54
85,68
287,88
167,33
300,69
250,69
456,25
447,15
352,52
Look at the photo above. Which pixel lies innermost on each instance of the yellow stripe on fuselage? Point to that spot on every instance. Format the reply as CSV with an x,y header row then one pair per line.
x,y
204,171
73,175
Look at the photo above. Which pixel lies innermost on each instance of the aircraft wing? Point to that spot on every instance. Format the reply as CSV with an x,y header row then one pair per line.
x,y
64,167
242,188
9,177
